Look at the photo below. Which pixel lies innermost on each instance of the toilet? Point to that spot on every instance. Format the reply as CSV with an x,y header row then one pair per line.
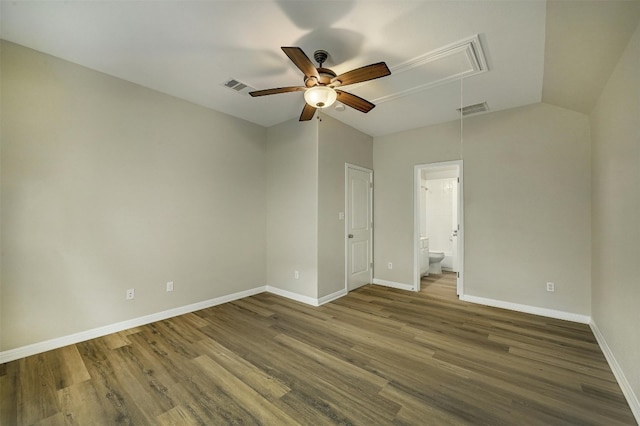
x,y
435,258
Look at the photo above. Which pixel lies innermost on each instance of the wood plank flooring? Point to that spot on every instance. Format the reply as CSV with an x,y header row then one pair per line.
x,y
378,356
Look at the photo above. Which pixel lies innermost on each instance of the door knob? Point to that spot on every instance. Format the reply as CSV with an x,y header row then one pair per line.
x,y
350,235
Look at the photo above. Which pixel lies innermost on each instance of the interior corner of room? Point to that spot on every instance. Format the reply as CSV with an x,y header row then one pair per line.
x,y
107,185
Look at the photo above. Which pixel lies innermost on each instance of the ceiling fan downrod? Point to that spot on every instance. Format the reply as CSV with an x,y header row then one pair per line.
x,y
320,83
320,56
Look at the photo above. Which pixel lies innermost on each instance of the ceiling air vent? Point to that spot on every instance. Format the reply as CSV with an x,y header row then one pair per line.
x,y
474,109
237,86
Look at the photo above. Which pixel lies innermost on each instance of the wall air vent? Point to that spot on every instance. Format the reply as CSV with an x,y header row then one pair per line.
x,y
238,86
474,109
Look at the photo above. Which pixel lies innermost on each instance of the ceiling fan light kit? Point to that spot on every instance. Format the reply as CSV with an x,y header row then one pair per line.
x,y
320,96
320,83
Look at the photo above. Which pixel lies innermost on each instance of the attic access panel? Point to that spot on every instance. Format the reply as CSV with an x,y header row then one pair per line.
x,y
450,63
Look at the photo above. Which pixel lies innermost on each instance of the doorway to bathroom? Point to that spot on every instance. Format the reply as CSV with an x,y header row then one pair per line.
x,y
438,221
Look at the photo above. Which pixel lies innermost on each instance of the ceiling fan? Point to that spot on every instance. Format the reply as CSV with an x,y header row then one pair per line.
x,y
321,84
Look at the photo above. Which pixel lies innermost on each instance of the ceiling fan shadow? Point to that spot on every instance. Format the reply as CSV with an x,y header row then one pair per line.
x,y
268,62
309,15
342,44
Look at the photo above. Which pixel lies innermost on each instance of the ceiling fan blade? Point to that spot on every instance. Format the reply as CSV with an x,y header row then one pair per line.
x,y
277,90
366,73
354,101
302,61
307,112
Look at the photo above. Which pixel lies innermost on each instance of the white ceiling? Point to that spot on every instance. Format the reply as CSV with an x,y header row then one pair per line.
x,y
189,49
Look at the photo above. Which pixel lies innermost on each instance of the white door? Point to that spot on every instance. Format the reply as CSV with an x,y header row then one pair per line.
x,y
359,238
455,228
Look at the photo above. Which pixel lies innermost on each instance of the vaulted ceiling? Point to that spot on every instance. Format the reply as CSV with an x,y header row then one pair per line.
x,y
442,54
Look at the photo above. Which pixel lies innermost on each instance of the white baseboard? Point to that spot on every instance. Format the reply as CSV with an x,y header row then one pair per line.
x,y
293,296
627,390
51,344
47,345
59,342
393,284
306,299
333,296
551,313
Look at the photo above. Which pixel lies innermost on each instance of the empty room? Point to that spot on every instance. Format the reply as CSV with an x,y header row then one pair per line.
x,y
320,212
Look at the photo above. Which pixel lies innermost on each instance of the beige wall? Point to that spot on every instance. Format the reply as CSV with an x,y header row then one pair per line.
x,y
305,193
615,132
107,186
526,202
292,207
338,144
393,159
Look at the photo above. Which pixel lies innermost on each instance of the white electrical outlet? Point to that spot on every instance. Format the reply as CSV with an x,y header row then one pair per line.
x,y
131,293
296,274
340,215
170,286
390,265
551,286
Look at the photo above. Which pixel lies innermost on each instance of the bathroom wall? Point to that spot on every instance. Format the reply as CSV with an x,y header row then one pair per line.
x,y
440,197
422,199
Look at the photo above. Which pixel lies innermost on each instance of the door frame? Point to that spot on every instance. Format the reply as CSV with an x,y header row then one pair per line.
x,y
348,166
417,171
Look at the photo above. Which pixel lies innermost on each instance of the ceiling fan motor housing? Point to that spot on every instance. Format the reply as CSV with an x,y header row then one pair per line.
x,y
324,78
320,83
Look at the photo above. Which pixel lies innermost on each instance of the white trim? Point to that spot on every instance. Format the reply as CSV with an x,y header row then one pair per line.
x,y
393,284
36,348
348,166
47,345
544,312
293,296
417,180
627,390
331,297
460,251
470,47
416,221
59,342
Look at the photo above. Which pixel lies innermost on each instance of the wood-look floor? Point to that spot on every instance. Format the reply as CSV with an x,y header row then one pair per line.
x,y
376,356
